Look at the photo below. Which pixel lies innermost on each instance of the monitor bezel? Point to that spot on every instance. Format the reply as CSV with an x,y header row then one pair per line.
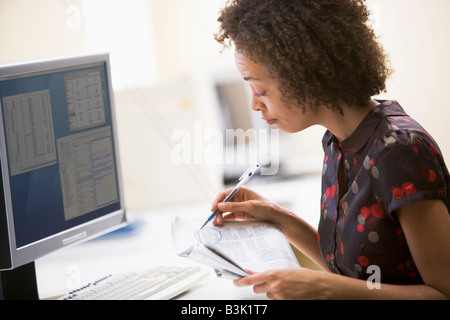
x,y
19,256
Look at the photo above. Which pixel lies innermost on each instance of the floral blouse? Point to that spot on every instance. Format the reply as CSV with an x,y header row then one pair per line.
x,y
389,162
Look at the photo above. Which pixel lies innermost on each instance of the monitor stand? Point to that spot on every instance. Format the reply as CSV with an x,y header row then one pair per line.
x,y
19,283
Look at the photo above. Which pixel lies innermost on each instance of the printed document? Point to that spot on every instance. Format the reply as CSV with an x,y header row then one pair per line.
x,y
234,247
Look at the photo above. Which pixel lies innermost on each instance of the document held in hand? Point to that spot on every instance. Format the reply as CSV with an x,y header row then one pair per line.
x,y
234,247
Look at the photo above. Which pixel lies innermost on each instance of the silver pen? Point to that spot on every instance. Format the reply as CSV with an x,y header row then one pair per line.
x,y
242,180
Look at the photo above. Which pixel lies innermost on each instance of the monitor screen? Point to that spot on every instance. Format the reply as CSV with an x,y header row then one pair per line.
x,y
59,156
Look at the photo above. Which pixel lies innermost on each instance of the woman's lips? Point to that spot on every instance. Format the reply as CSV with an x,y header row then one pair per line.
x,y
270,121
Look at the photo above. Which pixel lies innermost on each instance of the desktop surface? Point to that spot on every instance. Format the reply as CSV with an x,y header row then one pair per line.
x,y
147,242
147,246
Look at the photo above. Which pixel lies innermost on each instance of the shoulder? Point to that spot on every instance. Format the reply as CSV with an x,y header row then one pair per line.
x,y
409,164
402,141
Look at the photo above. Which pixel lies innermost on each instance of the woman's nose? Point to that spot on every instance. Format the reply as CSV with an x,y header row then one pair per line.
x,y
256,104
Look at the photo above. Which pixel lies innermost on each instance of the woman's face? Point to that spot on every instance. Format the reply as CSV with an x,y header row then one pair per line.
x,y
267,98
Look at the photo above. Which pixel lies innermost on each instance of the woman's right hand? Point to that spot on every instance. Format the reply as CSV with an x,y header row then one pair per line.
x,y
245,204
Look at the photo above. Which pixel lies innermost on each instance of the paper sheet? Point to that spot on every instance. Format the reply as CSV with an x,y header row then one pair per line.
x,y
234,247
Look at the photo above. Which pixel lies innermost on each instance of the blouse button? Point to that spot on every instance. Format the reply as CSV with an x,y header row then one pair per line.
x,y
332,260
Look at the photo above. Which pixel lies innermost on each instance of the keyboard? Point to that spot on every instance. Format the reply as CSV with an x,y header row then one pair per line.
x,y
155,283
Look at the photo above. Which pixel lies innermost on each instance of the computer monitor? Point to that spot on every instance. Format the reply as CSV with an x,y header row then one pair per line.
x,y
60,169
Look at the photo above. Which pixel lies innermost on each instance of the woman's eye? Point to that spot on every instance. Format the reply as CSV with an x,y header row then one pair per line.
x,y
260,94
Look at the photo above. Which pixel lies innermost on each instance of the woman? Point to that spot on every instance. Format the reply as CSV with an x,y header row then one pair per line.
x,y
385,193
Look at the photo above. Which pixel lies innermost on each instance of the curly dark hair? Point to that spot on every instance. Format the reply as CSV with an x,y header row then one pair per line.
x,y
320,50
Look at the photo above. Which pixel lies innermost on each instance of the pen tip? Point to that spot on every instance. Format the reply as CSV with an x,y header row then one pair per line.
x,y
203,225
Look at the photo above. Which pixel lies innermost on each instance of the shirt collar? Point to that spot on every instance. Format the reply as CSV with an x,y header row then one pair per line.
x,y
366,128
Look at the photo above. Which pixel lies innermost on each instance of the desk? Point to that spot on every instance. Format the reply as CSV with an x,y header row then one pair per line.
x,y
151,244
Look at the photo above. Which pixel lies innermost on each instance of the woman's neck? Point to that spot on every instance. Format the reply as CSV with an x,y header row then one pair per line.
x,y
342,126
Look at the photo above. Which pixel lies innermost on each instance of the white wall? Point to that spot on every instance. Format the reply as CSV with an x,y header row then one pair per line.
x,y
35,29
416,35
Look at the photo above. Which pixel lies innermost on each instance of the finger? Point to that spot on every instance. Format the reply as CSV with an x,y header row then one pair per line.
x,y
261,288
218,219
244,206
231,216
219,198
251,280
237,216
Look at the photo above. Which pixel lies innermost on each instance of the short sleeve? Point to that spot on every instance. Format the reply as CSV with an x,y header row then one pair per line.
x,y
410,169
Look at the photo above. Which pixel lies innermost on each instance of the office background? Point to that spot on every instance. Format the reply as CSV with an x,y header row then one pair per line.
x,y
167,66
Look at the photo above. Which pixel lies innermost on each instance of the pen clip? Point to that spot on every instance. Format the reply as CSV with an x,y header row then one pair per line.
x,y
250,171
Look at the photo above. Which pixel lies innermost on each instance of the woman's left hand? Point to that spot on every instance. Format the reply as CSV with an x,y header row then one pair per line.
x,y
287,284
